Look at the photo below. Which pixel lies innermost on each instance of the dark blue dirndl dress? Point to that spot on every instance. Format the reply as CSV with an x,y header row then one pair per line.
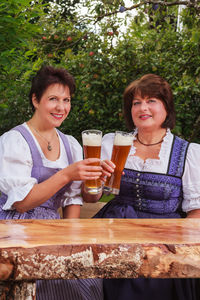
x,y
151,195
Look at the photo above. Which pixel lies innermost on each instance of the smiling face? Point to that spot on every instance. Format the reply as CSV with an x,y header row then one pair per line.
x,y
148,113
54,105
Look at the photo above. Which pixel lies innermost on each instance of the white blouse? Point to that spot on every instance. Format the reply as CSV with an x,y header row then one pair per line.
x,y
16,166
191,176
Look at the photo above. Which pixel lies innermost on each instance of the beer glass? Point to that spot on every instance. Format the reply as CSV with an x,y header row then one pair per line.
x,y
121,147
92,149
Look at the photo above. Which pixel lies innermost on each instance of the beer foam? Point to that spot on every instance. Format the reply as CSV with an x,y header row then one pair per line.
x,y
91,139
123,140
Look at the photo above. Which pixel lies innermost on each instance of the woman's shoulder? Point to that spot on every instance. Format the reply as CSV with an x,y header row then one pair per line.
x,y
73,142
191,145
194,149
13,143
72,139
11,136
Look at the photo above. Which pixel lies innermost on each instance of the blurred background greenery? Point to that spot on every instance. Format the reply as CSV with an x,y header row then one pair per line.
x,y
105,48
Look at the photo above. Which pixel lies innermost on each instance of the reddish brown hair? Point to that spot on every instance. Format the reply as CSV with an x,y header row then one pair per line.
x,y
150,85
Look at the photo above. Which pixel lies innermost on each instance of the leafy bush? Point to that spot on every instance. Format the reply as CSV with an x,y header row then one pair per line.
x,y
103,63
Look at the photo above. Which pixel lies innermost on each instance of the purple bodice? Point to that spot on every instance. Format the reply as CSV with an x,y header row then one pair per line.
x,y
151,195
47,210
52,289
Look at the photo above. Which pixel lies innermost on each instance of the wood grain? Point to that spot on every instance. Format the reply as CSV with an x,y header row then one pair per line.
x,y
99,248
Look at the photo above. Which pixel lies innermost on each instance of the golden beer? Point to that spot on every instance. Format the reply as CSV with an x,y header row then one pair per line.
x,y
120,151
92,149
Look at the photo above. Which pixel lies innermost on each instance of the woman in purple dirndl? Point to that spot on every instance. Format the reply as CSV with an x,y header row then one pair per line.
x,y
161,180
41,169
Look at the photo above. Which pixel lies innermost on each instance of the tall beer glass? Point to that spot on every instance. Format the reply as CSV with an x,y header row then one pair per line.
x,y
121,147
92,149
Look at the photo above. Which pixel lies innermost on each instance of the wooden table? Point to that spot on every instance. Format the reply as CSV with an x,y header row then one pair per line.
x,y
95,248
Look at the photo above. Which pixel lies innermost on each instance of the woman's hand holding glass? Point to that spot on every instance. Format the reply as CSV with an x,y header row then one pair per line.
x,y
84,170
108,168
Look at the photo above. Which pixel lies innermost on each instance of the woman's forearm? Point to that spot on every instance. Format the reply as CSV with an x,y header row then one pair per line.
x,y
41,192
194,213
71,211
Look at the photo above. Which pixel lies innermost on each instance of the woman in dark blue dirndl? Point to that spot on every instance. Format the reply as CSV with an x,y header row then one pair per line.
x,y
161,180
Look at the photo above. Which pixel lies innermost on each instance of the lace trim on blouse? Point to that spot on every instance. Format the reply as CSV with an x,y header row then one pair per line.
x,y
151,163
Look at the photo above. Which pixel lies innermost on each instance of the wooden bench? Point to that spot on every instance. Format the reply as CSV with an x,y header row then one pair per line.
x,y
88,210
95,248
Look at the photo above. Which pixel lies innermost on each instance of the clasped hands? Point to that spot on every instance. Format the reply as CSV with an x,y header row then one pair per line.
x,y
91,169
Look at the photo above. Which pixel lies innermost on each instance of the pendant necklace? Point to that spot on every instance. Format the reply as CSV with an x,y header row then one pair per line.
x,y
149,144
49,147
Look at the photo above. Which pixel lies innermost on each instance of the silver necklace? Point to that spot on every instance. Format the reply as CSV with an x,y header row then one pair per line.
x,y
49,147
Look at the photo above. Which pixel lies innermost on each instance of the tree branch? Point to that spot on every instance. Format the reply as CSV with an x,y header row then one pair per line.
x,y
190,3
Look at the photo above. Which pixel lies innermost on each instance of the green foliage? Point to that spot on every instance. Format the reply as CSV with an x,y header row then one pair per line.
x,y
103,60
17,32
66,7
